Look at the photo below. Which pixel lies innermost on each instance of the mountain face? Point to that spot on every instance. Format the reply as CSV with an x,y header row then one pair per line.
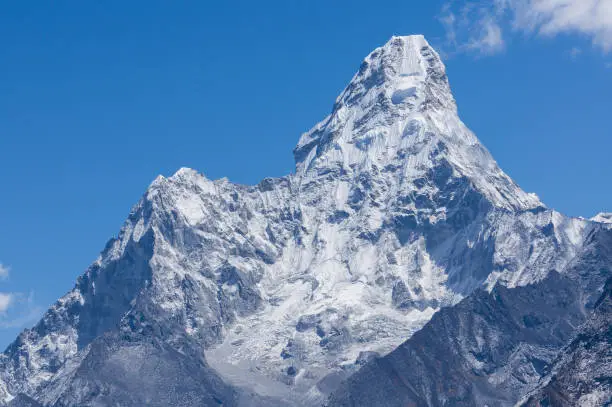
x,y
581,375
484,351
494,346
290,291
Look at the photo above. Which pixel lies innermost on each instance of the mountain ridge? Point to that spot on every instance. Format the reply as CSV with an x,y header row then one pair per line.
x,y
283,289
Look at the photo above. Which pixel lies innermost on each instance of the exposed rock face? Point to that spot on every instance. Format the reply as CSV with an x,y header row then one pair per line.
x,y
491,348
276,293
581,374
481,352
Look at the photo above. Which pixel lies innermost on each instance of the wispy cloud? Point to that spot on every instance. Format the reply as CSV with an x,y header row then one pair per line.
x,y
6,299
489,40
16,309
5,302
24,311
473,28
482,26
4,271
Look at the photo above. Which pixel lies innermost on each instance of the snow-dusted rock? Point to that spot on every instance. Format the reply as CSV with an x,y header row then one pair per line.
x,y
581,373
602,217
284,289
493,347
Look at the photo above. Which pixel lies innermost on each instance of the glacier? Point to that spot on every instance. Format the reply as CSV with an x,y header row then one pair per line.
x,y
285,292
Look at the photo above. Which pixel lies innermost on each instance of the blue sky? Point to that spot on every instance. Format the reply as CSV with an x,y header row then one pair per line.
x,y
98,98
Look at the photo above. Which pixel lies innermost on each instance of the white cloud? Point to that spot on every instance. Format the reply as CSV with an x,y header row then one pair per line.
x,y
592,18
473,28
16,309
482,26
449,20
4,271
24,311
6,299
489,40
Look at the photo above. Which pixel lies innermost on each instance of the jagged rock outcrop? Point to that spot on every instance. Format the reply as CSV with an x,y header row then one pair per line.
x,y
581,374
491,348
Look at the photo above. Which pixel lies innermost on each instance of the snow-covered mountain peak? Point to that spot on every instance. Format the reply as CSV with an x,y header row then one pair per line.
x,y
395,210
186,173
184,177
401,71
398,116
603,217
403,78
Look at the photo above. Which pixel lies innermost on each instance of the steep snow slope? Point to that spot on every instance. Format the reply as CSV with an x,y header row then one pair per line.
x,y
287,287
